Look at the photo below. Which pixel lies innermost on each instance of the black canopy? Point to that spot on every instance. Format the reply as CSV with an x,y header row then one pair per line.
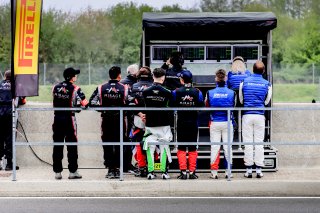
x,y
258,20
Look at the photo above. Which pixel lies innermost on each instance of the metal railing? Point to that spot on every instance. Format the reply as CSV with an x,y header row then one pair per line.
x,y
122,143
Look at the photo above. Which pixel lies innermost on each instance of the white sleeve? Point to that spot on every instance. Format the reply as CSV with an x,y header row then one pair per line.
x,y
269,94
240,93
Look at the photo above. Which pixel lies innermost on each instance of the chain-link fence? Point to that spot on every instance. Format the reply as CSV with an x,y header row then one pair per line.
x,y
296,73
50,74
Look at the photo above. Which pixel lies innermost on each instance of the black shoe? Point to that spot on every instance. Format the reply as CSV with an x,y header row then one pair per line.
x,y
110,174
193,175
9,168
142,172
183,175
117,173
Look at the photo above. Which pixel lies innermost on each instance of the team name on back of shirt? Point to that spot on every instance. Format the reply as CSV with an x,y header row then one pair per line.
x,y
156,98
220,95
187,101
256,84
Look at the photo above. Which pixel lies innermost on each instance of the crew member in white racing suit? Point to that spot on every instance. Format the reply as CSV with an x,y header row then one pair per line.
x,y
255,92
157,123
221,96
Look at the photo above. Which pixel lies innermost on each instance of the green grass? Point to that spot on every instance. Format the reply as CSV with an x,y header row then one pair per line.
x,y
294,93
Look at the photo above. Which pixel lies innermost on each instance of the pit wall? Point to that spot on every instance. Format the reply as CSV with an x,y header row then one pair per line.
x,y
287,126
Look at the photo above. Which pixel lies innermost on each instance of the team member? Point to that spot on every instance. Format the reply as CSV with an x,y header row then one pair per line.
x,y
129,80
157,123
144,81
111,94
66,94
6,120
237,74
172,80
187,125
255,92
221,96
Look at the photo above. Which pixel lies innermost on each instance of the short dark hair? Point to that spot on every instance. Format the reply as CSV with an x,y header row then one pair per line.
x,y
258,67
114,72
220,75
158,72
145,72
176,59
7,75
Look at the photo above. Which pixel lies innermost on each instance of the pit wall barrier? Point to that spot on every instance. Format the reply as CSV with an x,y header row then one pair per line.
x,y
295,133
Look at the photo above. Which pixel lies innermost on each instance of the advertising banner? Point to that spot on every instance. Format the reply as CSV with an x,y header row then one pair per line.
x,y
26,46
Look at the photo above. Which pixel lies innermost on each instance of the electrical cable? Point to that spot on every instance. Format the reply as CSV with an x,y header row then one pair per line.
x,y
34,153
32,150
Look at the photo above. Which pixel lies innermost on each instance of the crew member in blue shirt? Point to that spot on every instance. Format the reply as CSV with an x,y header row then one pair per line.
x,y
221,96
255,92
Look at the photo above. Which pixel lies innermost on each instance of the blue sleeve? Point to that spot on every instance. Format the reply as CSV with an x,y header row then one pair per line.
x,y
201,101
229,76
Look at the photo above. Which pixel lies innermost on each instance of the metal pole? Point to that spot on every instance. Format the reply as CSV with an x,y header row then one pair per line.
x,y
175,124
14,162
121,144
89,73
44,73
312,73
144,49
229,146
319,89
239,129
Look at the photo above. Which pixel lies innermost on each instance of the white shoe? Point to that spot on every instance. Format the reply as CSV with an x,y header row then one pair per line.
x,y
165,176
74,175
58,176
226,173
214,174
248,174
151,176
259,174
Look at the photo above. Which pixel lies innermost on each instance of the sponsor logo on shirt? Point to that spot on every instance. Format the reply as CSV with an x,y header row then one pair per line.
x,y
255,84
220,95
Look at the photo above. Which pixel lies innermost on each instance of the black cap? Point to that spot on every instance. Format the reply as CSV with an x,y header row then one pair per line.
x,y
70,72
186,75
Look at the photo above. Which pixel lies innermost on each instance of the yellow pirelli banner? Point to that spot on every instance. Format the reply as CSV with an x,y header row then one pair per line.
x,y
26,46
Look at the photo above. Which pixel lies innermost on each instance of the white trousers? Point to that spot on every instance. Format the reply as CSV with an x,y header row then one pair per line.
x,y
253,127
219,130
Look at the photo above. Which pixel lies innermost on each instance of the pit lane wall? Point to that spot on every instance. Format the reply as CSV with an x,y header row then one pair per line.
x,y
287,126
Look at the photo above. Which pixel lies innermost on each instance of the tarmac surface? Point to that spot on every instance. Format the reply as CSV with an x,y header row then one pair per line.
x,y
33,182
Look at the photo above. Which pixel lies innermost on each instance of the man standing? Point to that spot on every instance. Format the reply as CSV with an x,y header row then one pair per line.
x,y
131,78
66,94
6,119
157,123
222,97
255,92
111,94
187,125
138,129
172,80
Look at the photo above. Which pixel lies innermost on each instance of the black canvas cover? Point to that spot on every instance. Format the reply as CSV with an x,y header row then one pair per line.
x,y
254,20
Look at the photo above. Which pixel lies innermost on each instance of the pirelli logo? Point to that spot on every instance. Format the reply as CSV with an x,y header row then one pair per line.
x,y
28,13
